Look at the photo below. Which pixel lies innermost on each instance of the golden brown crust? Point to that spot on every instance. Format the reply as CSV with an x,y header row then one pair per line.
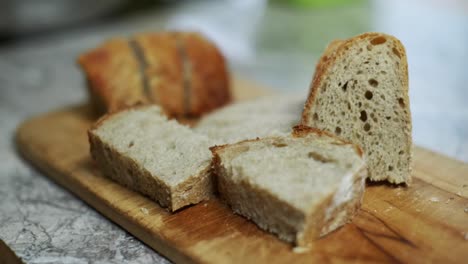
x,y
164,70
108,67
151,68
209,80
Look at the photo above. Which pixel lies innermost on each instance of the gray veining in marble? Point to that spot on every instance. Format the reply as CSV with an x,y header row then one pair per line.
x,y
43,223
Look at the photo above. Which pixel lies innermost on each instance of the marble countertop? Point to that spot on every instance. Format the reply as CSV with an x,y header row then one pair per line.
x,y
44,223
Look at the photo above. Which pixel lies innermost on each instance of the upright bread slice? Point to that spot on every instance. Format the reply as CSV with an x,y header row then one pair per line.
x,y
139,148
360,93
272,115
299,187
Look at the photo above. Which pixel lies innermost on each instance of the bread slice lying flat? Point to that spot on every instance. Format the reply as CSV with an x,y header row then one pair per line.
x,y
360,93
299,187
139,148
272,115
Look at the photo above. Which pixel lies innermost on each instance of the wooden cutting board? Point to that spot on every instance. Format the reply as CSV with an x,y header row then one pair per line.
x,y
426,222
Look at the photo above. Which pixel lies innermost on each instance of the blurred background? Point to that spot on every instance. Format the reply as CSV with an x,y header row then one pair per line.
x,y
275,43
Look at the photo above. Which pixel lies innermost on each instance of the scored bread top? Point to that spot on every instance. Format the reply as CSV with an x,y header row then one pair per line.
x,y
168,150
183,72
301,170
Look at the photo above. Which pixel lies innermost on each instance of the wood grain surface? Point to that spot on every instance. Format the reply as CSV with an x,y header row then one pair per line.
x,y
426,222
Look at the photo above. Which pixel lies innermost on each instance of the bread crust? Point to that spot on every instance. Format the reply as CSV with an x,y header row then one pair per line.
x,y
108,67
209,80
129,173
338,49
119,71
302,229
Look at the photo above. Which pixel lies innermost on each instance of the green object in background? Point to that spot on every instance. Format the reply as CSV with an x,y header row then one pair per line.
x,y
319,3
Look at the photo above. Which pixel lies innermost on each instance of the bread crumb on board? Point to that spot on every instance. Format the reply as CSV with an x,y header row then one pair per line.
x,y
144,210
434,199
301,250
466,210
465,235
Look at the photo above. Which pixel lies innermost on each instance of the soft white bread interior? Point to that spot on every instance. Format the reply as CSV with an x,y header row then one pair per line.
x,y
299,187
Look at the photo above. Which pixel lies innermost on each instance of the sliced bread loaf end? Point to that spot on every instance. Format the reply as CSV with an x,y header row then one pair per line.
x,y
267,116
360,93
139,148
299,187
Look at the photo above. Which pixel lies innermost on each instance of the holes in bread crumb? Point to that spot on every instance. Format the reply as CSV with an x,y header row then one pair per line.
x,y
368,95
383,97
367,127
359,104
131,144
400,152
378,40
383,72
373,82
359,72
345,86
401,102
315,116
363,116
349,105
280,144
318,157
377,63
369,47
390,168
374,118
396,52
366,62
338,130
343,113
388,117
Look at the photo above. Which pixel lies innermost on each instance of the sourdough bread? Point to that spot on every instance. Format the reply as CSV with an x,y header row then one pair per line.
x,y
183,72
139,148
271,115
299,187
360,93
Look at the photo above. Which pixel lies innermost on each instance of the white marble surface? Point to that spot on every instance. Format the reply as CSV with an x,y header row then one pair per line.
x,y
44,223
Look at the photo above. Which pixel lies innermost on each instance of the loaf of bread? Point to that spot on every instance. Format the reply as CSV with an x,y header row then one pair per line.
x,y
141,149
360,93
182,72
266,116
299,187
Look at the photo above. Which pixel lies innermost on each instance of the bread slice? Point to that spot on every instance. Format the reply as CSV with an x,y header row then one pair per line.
x,y
183,72
139,148
271,115
360,93
299,187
